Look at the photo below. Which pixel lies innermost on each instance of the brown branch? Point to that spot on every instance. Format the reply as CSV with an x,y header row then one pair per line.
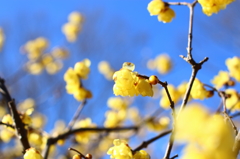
x,y
53,140
225,114
19,126
146,143
195,68
8,125
72,149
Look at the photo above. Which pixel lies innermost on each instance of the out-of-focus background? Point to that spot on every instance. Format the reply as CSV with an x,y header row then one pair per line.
x,y
116,31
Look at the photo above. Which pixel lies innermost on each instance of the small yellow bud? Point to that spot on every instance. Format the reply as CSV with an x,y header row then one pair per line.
x,y
76,157
153,80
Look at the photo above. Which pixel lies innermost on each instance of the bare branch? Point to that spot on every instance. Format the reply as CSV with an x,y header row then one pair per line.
x,y
19,126
146,143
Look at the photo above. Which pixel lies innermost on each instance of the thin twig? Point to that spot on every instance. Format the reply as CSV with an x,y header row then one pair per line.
x,y
146,143
225,114
72,149
8,125
76,115
19,126
53,140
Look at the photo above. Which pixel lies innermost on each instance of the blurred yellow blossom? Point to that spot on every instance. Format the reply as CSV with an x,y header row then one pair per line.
x,y
72,28
59,53
162,63
34,68
157,125
221,79
75,17
114,118
175,96
105,69
207,136
233,65
82,68
142,154
198,91
84,137
73,78
213,6
117,103
233,100
32,153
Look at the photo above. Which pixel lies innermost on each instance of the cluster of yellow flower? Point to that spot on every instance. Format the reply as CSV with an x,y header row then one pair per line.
x,y
233,65
7,133
162,63
157,125
207,136
2,38
38,60
121,150
105,69
226,78
84,137
128,83
199,91
74,25
162,10
118,114
73,78
32,153
213,6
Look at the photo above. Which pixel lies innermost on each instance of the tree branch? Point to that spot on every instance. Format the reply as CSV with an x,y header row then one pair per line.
x,y
19,126
146,143
76,115
53,140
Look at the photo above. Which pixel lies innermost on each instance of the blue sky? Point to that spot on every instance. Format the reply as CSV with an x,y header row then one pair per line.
x,y
117,31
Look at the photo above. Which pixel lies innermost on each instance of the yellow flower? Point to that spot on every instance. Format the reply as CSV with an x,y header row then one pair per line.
x,y
233,65
114,118
82,68
54,67
105,69
32,153
221,79
141,155
84,137
81,93
207,136
127,83
166,15
34,68
117,103
213,6
232,102
60,53
175,96
120,150
162,63
71,77
198,91
75,17
157,125
155,7
158,7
